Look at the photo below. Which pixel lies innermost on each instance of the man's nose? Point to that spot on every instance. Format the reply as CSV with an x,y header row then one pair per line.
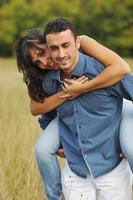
x,y
61,53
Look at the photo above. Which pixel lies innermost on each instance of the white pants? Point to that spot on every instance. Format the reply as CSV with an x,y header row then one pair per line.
x,y
116,185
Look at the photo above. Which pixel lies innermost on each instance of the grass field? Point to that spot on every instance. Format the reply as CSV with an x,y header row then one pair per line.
x,y
19,177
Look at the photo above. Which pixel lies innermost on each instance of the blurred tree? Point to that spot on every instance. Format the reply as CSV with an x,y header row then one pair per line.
x,y
109,22
2,2
15,18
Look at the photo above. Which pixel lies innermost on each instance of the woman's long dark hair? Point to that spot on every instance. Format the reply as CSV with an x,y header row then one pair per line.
x,y
32,74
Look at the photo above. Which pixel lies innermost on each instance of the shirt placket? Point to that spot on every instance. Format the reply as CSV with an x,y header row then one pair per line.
x,y
79,130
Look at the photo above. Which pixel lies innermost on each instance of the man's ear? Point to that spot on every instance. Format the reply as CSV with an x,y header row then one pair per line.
x,y
78,42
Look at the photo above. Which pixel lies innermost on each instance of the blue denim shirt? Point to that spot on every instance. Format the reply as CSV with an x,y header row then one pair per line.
x,y
46,118
89,124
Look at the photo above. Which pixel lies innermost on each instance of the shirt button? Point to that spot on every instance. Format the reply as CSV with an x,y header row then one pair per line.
x,y
83,141
76,111
79,126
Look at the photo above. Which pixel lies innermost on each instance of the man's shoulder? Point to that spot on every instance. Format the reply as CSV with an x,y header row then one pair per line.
x,y
89,58
92,66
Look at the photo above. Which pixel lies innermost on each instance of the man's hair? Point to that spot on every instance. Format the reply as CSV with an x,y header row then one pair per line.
x,y
59,25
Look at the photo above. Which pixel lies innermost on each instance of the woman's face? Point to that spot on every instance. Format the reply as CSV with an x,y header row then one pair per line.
x,y
41,57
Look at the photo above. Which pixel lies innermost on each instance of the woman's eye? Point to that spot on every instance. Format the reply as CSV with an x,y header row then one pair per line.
x,y
42,53
37,62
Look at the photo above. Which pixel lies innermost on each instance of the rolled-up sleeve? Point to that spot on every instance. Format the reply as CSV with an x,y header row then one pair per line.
x,y
124,88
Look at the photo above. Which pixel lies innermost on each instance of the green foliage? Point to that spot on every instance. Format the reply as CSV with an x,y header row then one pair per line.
x,y
2,2
109,22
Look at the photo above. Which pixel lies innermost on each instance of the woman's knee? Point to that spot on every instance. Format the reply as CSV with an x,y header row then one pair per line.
x,y
49,141
39,149
44,148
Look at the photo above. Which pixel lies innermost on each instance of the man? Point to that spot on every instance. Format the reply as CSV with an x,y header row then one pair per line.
x,y
89,124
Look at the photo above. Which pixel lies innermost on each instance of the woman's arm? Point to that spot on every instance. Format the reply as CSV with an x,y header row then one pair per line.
x,y
52,101
49,104
115,66
115,69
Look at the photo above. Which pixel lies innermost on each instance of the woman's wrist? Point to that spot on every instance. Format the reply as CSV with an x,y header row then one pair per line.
x,y
84,88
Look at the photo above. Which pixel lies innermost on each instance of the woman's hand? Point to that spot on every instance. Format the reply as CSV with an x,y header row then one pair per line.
x,y
73,87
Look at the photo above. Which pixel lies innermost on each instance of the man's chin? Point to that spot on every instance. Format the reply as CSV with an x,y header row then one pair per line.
x,y
64,66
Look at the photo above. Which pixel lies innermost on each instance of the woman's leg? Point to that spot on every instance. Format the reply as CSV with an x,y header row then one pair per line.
x,y
45,150
126,132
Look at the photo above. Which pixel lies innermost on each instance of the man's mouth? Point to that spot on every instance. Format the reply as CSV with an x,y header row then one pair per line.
x,y
63,62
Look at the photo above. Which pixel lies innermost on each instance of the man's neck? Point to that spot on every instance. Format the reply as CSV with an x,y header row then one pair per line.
x,y
63,75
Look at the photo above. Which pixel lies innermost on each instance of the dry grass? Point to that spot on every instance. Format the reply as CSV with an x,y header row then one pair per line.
x,y
19,177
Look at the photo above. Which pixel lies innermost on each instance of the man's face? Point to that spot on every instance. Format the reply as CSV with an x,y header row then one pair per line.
x,y
63,49
40,56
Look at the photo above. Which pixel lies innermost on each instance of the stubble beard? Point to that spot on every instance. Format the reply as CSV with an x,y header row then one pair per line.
x,y
71,65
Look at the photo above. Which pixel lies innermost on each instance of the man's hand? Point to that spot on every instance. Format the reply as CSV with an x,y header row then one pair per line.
x,y
73,87
122,155
60,152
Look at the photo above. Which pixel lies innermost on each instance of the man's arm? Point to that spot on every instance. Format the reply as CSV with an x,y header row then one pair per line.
x,y
124,88
46,118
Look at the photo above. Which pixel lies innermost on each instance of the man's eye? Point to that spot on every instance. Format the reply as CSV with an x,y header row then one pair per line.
x,y
65,45
53,48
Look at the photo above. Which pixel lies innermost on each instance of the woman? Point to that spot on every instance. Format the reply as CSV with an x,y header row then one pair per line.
x,y
33,61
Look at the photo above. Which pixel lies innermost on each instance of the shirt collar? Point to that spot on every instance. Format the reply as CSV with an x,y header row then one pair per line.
x,y
79,69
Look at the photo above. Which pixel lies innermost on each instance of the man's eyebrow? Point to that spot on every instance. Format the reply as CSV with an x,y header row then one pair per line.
x,y
66,42
53,45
